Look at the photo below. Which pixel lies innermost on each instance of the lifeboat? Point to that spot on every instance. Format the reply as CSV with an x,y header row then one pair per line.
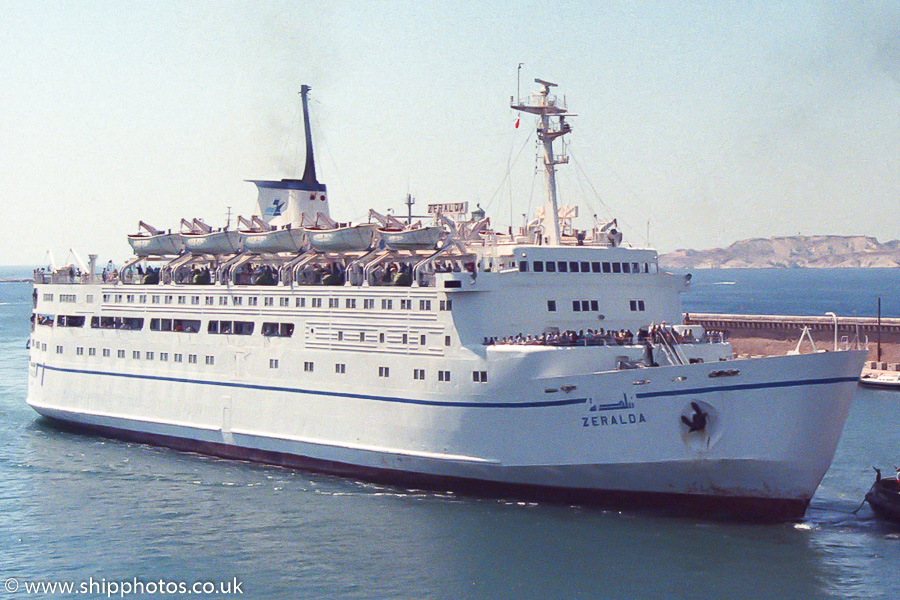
x,y
422,238
342,239
199,238
149,241
260,237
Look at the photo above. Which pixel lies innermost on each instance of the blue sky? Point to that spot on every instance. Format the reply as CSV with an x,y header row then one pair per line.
x,y
711,121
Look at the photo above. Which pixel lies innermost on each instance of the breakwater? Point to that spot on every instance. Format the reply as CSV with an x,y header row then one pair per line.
x,y
770,335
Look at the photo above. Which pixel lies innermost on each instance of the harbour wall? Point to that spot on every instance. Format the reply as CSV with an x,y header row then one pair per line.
x,y
770,335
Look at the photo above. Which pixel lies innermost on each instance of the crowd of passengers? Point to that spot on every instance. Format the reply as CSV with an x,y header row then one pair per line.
x,y
600,337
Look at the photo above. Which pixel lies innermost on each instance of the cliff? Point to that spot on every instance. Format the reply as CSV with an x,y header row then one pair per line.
x,y
817,251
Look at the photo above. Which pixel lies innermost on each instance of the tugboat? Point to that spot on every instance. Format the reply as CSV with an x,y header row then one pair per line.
x,y
884,497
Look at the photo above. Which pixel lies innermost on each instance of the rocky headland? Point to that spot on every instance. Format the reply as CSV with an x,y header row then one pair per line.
x,y
817,251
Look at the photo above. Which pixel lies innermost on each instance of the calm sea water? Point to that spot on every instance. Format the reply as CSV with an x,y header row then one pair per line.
x,y
74,507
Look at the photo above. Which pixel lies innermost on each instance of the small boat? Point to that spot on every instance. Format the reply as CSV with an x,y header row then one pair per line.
x,y
154,242
884,497
422,238
880,379
199,238
352,238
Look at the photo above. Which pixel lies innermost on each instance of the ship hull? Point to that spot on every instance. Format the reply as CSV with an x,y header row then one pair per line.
x,y
771,432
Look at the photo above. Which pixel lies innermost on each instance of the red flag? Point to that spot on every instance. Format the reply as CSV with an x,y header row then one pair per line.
x,y
517,123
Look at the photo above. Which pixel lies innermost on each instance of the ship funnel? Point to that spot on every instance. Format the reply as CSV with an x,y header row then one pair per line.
x,y
309,172
294,202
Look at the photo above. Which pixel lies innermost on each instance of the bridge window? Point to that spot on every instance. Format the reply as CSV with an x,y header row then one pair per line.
x,y
523,265
573,266
551,267
562,266
538,266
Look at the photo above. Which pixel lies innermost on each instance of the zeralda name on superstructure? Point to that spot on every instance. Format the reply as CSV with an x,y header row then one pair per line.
x,y
534,363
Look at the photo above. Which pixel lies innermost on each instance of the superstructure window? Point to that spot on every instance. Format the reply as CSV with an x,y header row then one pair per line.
x,y
479,376
300,302
424,304
368,303
636,305
384,371
120,354
269,301
210,360
308,366
230,327
332,303
350,303
419,374
149,356
284,302
443,375
405,304
387,304
70,321
551,305
273,363
278,329
340,368
192,359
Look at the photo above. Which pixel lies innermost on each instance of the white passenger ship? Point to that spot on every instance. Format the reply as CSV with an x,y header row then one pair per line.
x,y
535,363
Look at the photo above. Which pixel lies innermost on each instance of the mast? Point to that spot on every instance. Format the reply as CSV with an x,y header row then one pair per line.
x,y
551,126
309,173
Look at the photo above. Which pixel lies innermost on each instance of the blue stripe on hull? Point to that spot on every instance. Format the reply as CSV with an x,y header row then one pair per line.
x,y
457,404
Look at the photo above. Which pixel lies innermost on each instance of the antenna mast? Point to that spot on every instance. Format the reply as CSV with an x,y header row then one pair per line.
x,y
552,125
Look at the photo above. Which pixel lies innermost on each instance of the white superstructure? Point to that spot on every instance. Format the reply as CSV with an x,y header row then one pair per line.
x,y
534,364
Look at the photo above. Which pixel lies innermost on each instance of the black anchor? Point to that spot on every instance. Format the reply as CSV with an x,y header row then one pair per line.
x,y
697,422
